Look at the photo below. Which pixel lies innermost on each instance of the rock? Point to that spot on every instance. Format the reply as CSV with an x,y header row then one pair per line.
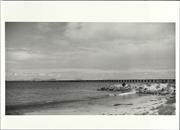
x,y
116,87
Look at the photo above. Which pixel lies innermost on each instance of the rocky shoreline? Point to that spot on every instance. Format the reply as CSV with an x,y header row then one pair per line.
x,y
162,101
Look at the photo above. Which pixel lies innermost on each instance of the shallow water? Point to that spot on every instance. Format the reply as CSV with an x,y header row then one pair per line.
x,y
26,96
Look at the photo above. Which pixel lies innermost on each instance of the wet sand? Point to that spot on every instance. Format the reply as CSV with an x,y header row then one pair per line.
x,y
111,105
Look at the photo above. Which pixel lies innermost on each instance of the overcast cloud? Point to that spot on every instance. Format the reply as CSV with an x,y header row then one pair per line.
x,y
90,50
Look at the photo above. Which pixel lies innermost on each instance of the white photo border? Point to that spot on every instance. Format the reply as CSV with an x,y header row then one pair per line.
x,y
89,11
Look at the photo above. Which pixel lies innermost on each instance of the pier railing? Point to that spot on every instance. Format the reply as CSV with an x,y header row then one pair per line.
x,y
126,80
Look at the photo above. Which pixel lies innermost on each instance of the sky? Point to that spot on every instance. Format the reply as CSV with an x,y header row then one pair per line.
x,y
73,51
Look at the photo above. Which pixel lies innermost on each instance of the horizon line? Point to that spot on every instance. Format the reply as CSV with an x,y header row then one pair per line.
x,y
94,79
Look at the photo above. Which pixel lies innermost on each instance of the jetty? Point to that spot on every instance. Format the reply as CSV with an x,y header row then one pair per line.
x,y
125,80
104,80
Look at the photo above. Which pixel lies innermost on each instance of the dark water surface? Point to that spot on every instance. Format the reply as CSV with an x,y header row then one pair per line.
x,y
29,94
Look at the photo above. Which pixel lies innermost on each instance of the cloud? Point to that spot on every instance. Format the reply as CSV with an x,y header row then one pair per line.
x,y
22,54
51,27
88,32
44,27
90,48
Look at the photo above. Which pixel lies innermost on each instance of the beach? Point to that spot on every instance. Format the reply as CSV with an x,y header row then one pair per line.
x,y
144,105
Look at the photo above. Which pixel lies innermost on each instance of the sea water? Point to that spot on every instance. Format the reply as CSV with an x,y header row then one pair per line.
x,y
25,96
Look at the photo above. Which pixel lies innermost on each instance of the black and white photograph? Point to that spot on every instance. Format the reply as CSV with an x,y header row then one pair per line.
x,y
90,68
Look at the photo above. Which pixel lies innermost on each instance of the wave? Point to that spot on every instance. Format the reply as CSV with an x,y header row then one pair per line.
x,y
11,109
124,94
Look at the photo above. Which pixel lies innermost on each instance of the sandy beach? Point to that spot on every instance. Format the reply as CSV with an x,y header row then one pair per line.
x,y
112,105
